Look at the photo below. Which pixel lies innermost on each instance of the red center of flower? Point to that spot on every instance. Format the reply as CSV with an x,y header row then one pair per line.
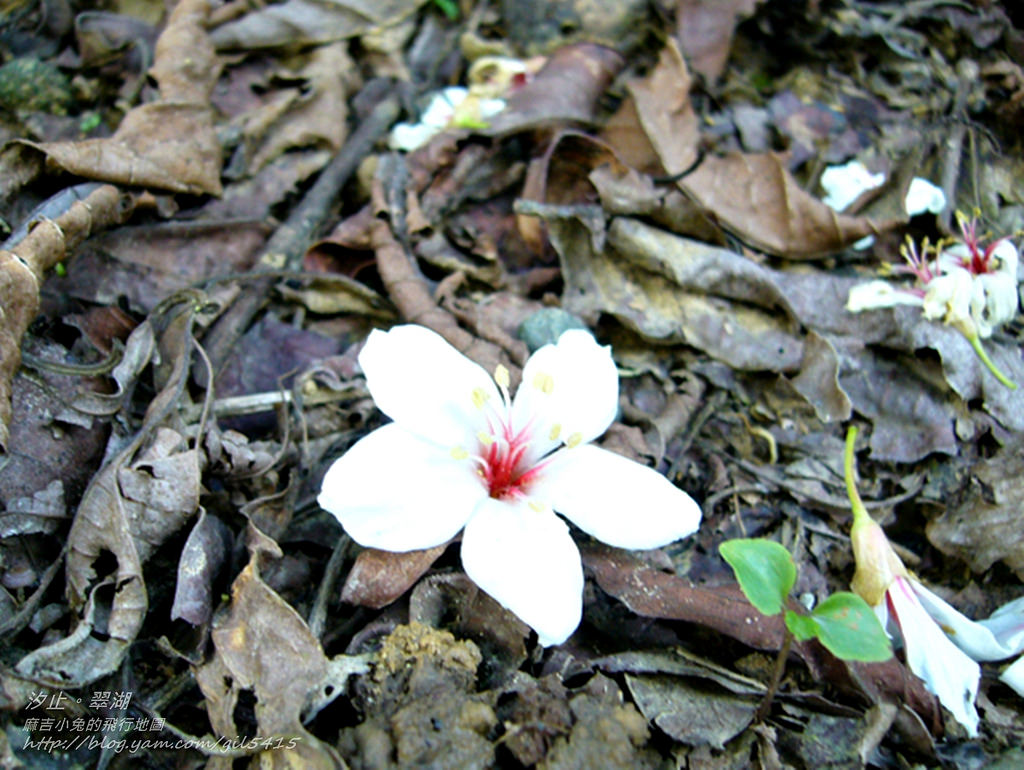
x,y
505,470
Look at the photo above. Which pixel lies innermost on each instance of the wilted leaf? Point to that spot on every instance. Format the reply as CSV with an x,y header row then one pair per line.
x,y
299,23
705,28
379,577
606,279
202,558
168,144
311,113
690,715
756,198
265,647
143,494
661,101
982,526
567,89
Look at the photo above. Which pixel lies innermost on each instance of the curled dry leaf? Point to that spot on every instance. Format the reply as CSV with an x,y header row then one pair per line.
x,y
202,558
142,495
705,28
264,647
379,577
567,89
755,197
169,144
23,265
313,113
299,23
657,126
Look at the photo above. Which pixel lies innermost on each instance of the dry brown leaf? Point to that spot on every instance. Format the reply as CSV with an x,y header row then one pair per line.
x,y
983,525
608,280
202,558
567,89
379,577
263,646
312,114
144,493
664,111
298,23
755,197
705,28
169,144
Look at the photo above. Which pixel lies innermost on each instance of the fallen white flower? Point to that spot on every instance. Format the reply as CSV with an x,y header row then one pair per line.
x,y
462,455
903,605
845,184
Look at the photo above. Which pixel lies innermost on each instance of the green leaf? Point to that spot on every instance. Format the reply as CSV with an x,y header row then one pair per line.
x,y
803,627
850,630
764,569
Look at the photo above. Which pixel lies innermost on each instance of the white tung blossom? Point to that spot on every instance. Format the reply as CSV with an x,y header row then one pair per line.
x,y
462,455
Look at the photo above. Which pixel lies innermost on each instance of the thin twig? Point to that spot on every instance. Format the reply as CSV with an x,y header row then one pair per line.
x,y
287,245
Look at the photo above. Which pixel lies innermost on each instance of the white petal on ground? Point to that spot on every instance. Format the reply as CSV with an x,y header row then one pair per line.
x,y
1013,677
975,639
441,108
411,136
425,385
844,184
528,562
1007,625
572,384
946,669
394,491
616,500
878,294
923,196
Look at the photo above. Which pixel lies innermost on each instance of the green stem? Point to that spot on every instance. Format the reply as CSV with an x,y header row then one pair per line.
x,y
976,344
860,513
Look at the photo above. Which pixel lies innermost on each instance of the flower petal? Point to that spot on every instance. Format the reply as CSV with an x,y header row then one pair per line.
x,y
944,667
428,387
878,294
569,392
973,638
1007,625
616,500
394,491
1013,677
526,560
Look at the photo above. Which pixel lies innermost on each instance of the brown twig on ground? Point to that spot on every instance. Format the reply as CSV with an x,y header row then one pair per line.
x,y
409,292
23,265
287,245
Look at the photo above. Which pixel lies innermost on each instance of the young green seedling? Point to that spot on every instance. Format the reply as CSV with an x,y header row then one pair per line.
x,y
843,623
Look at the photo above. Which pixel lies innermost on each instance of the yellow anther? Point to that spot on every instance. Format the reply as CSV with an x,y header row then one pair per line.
x,y
536,506
459,453
555,430
480,397
574,440
501,376
485,438
544,382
